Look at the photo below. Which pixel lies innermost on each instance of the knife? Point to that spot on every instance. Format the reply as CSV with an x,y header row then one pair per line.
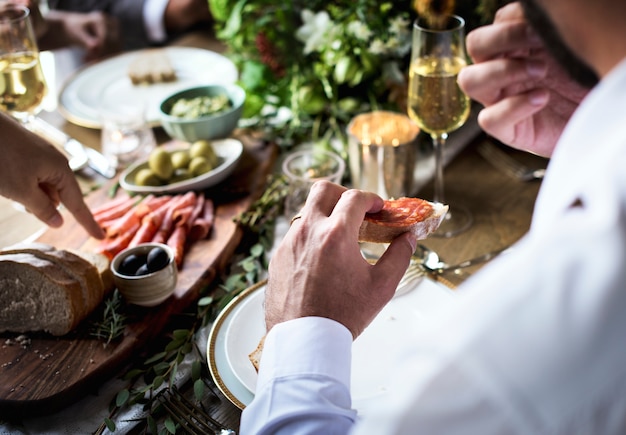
x,y
80,155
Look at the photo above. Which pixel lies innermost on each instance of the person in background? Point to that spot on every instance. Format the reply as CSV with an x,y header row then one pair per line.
x,y
143,23
48,181
534,343
95,32
103,28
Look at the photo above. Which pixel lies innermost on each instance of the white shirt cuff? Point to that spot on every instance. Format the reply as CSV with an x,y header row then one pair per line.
x,y
307,346
154,19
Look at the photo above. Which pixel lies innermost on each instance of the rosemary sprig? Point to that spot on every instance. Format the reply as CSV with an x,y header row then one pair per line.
x,y
113,319
265,209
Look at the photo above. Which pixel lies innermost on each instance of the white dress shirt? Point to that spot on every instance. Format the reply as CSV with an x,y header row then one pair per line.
x,y
153,20
537,343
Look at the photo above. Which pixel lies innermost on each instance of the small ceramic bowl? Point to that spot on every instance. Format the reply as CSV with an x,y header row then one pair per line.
x,y
216,126
154,284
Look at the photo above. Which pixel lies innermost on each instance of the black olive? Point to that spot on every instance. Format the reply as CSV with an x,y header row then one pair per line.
x,y
131,263
157,259
143,270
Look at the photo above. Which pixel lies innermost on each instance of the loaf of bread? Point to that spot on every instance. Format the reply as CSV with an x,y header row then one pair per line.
x,y
50,290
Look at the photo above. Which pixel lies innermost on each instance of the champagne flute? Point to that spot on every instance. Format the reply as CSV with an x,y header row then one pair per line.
x,y
436,103
22,83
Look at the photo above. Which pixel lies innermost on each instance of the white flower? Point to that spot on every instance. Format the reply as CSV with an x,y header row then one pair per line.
x,y
399,26
400,43
314,30
377,47
359,30
398,46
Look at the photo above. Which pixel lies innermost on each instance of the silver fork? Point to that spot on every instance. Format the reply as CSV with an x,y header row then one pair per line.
x,y
191,418
508,164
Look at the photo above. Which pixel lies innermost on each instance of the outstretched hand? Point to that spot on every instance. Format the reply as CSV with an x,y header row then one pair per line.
x,y
318,269
528,97
39,177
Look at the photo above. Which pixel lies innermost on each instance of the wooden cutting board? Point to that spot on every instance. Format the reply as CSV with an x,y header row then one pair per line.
x,y
52,372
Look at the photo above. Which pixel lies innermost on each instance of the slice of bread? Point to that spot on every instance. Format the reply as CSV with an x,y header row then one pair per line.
x,y
255,355
102,264
151,66
37,295
400,216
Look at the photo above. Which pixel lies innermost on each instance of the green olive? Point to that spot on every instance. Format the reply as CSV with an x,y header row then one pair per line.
x,y
204,148
160,162
199,166
180,159
145,177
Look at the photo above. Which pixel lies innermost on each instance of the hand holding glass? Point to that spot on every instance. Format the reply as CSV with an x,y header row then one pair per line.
x,y
436,103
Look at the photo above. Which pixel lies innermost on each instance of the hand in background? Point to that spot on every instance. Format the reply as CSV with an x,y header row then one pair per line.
x,y
318,269
47,181
97,32
528,97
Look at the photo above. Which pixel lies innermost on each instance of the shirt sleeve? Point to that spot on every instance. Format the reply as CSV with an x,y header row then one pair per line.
x,y
304,380
153,13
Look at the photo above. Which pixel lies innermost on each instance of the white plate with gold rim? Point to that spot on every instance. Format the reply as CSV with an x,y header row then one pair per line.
x,y
79,98
238,329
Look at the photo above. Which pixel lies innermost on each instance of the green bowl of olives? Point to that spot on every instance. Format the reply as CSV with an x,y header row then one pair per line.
x,y
202,112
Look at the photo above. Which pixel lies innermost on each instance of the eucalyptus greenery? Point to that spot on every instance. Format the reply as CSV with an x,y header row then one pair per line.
x,y
161,368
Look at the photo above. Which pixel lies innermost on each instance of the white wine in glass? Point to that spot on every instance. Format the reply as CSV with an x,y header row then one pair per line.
x,y
435,101
22,83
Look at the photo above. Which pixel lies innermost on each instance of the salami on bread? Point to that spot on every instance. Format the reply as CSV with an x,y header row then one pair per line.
x,y
399,216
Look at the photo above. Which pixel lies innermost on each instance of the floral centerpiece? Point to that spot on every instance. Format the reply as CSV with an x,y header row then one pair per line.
x,y
309,66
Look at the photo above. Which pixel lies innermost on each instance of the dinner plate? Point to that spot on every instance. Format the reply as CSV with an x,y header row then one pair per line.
x,y
79,98
228,152
240,326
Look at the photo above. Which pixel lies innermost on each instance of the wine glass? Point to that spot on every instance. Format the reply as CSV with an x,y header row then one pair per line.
x,y
23,86
436,103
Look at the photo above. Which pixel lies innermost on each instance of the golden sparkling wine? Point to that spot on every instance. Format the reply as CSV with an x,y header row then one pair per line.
x,y
22,84
436,103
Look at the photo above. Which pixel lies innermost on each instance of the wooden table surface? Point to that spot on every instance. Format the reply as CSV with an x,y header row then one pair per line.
x,y
501,206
